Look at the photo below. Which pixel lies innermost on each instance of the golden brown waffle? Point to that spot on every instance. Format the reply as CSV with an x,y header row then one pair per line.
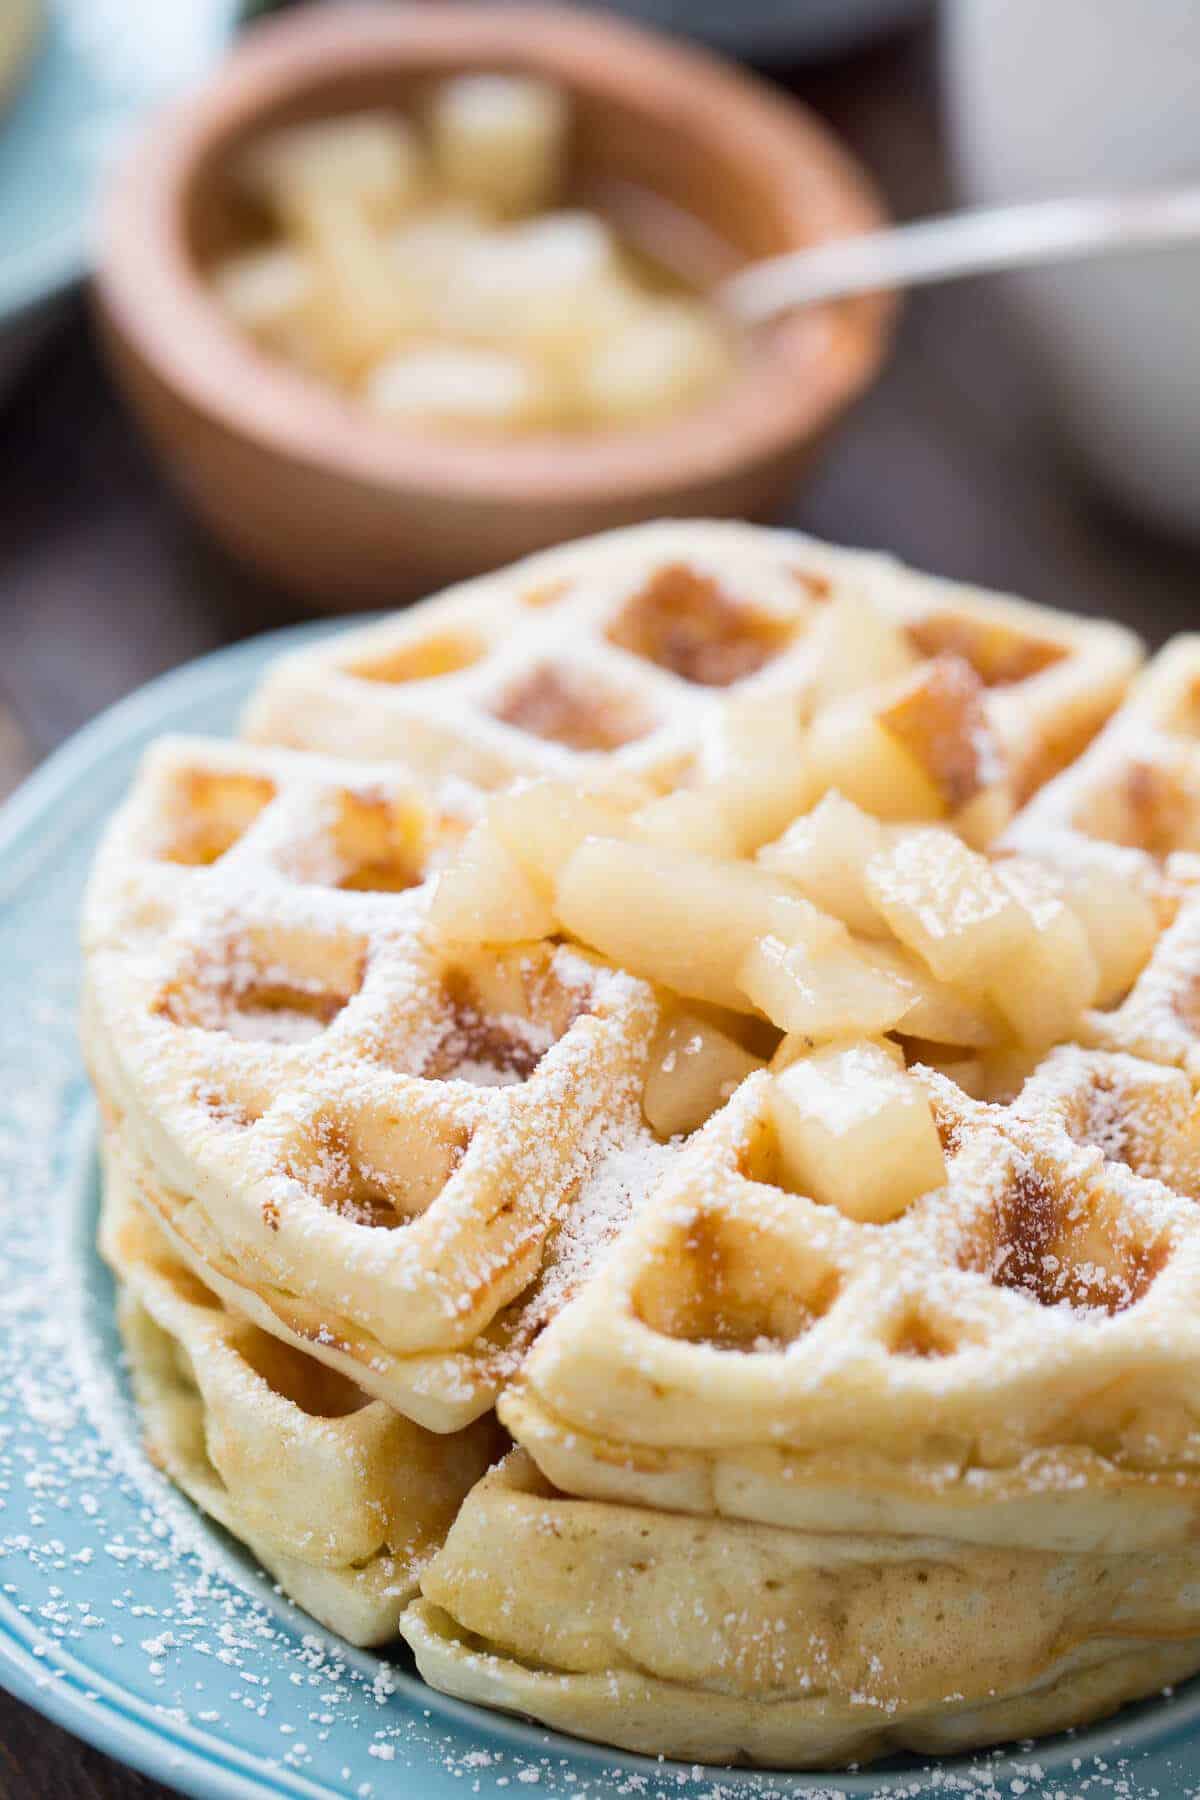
x,y
1129,810
1160,1017
368,1143
1027,1329
806,1171
612,658
1138,786
343,1500
792,1460
721,1641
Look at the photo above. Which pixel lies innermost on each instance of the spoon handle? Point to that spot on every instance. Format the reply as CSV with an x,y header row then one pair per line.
x,y
964,243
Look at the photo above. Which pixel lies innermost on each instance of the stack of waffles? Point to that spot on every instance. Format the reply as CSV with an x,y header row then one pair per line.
x,y
651,1145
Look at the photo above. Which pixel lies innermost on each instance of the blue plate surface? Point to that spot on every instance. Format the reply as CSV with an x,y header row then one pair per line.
x,y
130,1620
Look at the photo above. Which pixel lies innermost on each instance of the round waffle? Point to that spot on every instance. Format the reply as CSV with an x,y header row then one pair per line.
x,y
619,992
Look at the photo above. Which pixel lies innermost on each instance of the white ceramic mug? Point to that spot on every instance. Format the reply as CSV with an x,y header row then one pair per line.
x,y
1062,96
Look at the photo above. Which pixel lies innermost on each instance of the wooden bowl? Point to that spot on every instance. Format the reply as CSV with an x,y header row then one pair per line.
x,y
351,510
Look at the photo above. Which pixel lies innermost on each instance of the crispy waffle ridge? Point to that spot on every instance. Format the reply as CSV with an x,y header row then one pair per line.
x,y
611,658
342,1499
368,1145
1130,807
1137,788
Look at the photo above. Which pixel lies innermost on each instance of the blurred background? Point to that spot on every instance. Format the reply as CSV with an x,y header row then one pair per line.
x,y
957,458
1040,434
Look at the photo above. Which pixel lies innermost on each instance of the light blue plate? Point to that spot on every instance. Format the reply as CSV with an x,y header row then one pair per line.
x,y
131,1621
99,67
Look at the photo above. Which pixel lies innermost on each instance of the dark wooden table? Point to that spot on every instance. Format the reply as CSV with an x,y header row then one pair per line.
x,y
104,581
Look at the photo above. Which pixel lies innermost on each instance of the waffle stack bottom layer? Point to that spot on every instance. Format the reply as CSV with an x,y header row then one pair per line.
x,y
724,1641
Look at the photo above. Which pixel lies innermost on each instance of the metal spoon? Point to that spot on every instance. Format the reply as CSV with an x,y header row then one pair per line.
x,y
965,243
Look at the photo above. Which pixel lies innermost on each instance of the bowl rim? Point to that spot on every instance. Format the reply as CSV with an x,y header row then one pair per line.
x,y
802,372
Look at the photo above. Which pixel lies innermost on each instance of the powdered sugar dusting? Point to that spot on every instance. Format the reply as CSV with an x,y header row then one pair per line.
x,y
620,1184
106,1574
582,1196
